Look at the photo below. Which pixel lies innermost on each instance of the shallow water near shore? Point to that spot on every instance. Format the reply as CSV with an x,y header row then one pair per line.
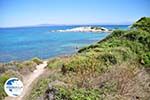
x,y
17,44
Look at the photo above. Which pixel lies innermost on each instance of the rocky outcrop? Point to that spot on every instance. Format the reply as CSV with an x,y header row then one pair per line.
x,y
50,93
85,29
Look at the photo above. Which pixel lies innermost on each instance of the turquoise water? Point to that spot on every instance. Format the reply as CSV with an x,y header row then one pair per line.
x,y
27,42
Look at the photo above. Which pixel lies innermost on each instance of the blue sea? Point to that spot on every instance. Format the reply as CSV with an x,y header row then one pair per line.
x,y
23,43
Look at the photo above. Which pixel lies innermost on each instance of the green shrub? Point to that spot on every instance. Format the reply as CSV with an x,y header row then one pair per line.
x,y
3,79
145,59
87,48
12,73
2,69
142,24
109,59
38,89
83,64
37,61
132,35
135,47
116,33
8,66
26,67
55,63
77,94
111,43
139,36
147,39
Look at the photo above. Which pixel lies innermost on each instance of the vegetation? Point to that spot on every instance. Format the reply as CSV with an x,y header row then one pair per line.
x,y
55,63
145,59
15,69
3,79
142,24
37,61
77,94
42,84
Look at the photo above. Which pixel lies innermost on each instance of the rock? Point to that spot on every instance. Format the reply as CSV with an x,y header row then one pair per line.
x,y
101,85
50,93
63,69
85,29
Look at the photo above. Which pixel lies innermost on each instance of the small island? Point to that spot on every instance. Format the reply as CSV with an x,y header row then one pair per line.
x,y
85,29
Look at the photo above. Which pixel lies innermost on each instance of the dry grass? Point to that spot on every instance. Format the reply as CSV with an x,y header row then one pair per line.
x,y
130,82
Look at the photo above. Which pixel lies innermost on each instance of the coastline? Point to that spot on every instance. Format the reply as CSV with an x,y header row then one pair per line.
x,y
117,64
76,49
28,47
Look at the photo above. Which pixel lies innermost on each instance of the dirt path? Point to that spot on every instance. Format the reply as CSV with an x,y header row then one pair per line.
x,y
29,79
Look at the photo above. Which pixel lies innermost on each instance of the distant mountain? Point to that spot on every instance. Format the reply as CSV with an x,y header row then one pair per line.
x,y
50,25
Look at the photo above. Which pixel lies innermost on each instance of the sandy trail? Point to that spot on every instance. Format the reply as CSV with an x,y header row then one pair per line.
x,y
29,79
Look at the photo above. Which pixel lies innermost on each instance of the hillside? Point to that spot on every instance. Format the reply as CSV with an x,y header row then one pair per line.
x,y
116,68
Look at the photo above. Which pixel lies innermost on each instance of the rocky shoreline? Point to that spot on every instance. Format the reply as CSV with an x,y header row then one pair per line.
x,y
85,29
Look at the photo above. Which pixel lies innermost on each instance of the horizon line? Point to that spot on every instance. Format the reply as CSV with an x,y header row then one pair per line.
x,y
38,25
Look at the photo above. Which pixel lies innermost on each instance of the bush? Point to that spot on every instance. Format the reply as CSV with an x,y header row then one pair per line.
x,y
55,63
87,48
116,33
3,79
83,64
77,94
145,60
12,73
2,69
37,61
8,66
109,59
132,35
142,24
26,67
37,91
139,36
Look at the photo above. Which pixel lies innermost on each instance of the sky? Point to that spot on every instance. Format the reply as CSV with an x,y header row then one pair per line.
x,y
15,13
